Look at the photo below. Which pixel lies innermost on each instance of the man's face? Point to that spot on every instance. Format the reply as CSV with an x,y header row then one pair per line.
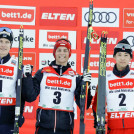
x,y
62,56
122,60
5,46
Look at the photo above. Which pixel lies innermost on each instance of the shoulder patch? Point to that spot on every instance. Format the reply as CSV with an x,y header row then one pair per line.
x,y
14,62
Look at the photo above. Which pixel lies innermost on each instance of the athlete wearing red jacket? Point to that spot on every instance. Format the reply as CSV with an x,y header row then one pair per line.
x,y
120,92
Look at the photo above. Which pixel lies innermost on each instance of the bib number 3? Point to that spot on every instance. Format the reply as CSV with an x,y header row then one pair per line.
x,y
57,100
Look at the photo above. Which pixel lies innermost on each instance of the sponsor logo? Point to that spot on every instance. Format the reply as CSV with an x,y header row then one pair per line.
x,y
130,38
56,82
58,16
108,17
103,17
94,63
120,83
47,38
115,115
7,101
17,14
128,18
54,36
6,70
29,38
28,109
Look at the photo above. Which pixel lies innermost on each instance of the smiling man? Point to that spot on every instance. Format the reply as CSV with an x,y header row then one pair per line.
x,y
57,85
120,92
8,79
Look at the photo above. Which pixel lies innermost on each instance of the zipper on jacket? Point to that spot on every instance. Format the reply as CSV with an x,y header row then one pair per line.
x,y
60,70
39,115
70,118
55,123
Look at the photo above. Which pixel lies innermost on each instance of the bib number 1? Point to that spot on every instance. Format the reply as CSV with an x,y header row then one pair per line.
x,y
0,85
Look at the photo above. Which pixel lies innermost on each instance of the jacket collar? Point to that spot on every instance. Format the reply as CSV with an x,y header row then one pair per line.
x,y
5,59
121,73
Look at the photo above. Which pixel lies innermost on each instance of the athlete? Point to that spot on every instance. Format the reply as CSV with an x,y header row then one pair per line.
x,y
8,78
120,92
57,85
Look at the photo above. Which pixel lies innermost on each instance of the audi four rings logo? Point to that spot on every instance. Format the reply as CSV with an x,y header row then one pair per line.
x,y
103,17
131,40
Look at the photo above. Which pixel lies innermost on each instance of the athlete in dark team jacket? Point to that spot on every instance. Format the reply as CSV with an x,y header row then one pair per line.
x,y
57,85
8,78
120,92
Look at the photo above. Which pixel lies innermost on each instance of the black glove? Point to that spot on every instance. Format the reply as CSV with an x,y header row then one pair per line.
x,y
21,120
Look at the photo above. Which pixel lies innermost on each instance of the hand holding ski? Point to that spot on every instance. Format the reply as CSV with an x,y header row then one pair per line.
x,y
19,82
84,88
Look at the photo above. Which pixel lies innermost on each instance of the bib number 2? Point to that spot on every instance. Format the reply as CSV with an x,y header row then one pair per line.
x,y
123,97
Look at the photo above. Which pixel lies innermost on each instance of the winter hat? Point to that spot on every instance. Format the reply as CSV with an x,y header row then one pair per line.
x,y
123,46
62,43
7,33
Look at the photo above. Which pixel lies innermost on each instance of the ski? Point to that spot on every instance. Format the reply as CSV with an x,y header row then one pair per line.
x,y
84,88
100,114
19,81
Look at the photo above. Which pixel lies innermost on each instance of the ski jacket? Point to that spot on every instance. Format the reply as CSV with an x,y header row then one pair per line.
x,y
8,78
119,98
57,86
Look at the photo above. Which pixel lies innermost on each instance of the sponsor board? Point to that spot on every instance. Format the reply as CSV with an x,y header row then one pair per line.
x,y
58,16
94,63
21,15
30,110
130,38
28,58
128,17
46,58
29,38
47,38
102,17
112,40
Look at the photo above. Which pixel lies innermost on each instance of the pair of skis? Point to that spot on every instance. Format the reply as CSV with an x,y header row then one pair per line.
x,y
19,81
101,81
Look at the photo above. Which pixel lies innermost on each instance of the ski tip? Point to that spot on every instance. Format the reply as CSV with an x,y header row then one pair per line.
x,y
104,34
91,1
21,26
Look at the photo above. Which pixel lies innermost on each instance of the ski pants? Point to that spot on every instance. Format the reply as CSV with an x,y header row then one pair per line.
x,y
6,129
41,130
121,131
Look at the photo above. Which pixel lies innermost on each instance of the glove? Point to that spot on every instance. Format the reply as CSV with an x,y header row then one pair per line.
x,y
21,120
27,70
87,77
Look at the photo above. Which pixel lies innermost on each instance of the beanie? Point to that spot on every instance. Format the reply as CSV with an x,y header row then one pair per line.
x,y
123,46
62,43
7,33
